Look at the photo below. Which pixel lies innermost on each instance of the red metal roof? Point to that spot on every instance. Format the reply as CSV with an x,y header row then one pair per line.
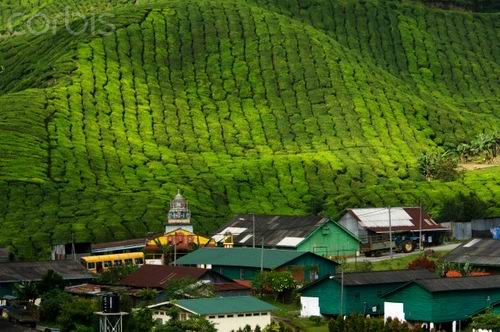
x,y
428,224
157,276
229,286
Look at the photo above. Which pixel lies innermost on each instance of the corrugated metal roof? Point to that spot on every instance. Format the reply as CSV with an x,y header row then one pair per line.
x,y
225,305
244,257
273,229
482,252
376,277
157,276
385,277
34,271
402,219
119,245
460,284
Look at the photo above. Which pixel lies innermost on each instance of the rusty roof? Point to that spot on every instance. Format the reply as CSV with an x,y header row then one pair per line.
x,y
157,276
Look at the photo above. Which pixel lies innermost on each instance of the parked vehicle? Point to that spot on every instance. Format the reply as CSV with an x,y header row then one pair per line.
x,y
377,244
22,313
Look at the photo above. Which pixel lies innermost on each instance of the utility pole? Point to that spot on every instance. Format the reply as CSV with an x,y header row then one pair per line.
x,y
73,251
262,257
341,291
420,227
253,230
390,232
175,251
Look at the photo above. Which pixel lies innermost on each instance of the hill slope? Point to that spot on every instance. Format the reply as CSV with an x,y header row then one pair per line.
x,y
247,106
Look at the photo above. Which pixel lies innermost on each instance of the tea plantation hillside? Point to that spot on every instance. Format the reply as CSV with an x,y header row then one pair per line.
x,y
259,106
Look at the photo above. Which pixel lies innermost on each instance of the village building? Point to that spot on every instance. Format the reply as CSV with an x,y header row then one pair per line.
x,y
178,238
484,228
12,273
443,302
317,234
375,225
478,253
357,292
226,313
159,276
246,263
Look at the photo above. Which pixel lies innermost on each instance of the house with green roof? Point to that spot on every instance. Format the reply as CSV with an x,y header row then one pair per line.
x,y
246,263
445,300
226,313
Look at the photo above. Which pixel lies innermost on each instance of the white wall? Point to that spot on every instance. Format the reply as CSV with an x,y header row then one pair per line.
x,y
224,323
394,310
309,306
350,223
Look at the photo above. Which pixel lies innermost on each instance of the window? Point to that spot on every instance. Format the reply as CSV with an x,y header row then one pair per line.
x,y
241,315
139,261
90,265
247,315
325,230
107,264
256,314
263,313
128,261
183,316
220,316
230,316
211,317
118,263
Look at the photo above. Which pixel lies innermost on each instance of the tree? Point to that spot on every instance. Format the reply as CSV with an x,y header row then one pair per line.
x,y
438,165
462,208
115,274
274,282
26,290
141,320
187,287
50,280
148,295
52,303
486,321
77,312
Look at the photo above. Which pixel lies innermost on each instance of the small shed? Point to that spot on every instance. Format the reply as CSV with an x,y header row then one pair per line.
x,y
361,293
317,234
246,263
226,313
483,253
445,299
159,276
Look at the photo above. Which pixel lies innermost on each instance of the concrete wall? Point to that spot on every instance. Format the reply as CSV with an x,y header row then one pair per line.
x,y
226,323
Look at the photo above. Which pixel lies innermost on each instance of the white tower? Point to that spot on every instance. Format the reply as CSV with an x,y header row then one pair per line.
x,y
179,215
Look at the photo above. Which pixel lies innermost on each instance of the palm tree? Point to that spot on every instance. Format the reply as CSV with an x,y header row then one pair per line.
x,y
26,290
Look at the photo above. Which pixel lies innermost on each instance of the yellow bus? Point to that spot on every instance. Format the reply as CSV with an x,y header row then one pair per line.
x,y
101,263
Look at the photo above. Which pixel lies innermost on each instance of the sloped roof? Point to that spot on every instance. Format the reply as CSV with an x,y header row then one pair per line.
x,y
277,231
119,245
34,271
224,305
244,257
157,276
483,252
403,219
455,284
377,277
461,284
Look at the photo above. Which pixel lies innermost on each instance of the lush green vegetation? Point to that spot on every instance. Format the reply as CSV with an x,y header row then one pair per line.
x,y
246,105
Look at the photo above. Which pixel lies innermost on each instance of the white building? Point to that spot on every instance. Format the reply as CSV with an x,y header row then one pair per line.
x,y
226,313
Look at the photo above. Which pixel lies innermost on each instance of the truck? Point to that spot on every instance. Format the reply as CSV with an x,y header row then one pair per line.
x,y
375,245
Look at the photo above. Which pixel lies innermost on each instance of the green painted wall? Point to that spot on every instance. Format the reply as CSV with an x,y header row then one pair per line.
x,y
357,299
305,262
234,272
330,240
308,262
421,305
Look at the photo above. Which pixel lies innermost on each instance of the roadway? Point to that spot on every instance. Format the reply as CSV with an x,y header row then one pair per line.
x,y
385,256
5,326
